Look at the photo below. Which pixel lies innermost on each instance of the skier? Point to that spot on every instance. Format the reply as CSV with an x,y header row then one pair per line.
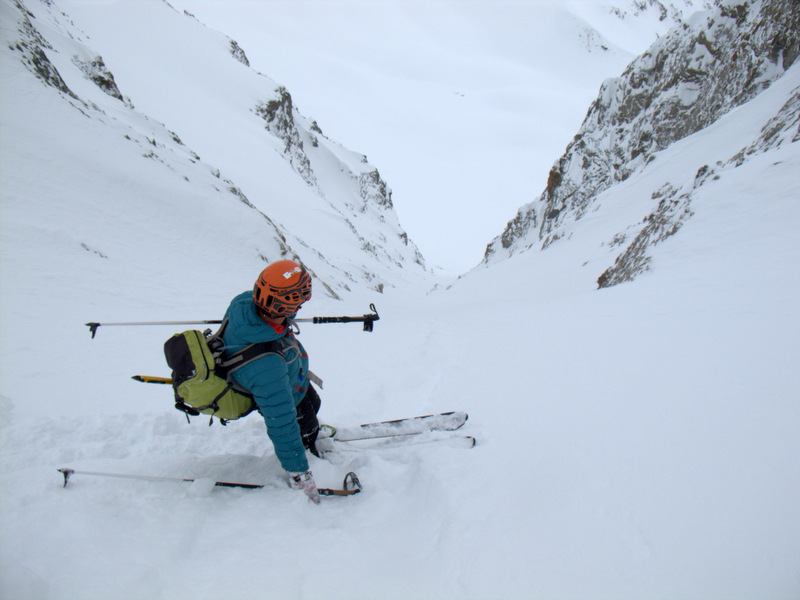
x,y
279,385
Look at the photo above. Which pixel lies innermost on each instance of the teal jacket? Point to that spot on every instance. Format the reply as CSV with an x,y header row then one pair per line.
x,y
277,384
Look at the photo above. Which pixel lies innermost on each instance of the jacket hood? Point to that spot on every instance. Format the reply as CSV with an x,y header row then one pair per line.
x,y
246,323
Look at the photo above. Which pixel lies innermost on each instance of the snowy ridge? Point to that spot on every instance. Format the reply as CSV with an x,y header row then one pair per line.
x,y
673,13
356,199
675,203
683,83
636,24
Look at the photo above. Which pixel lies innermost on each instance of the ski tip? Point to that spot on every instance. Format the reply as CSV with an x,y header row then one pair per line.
x,y
462,419
466,441
326,431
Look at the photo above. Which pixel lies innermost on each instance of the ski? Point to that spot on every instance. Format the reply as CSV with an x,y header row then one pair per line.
x,y
387,443
448,421
350,486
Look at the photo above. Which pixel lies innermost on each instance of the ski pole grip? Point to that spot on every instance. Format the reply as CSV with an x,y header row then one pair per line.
x,y
368,320
332,319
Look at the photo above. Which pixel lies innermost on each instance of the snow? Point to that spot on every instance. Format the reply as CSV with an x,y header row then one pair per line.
x,y
635,442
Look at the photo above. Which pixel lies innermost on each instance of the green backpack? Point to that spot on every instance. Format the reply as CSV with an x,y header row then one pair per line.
x,y
201,377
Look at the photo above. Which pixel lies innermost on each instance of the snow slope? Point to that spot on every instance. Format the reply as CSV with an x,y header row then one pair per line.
x,y
635,442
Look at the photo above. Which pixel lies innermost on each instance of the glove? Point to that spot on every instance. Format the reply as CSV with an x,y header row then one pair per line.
x,y
305,482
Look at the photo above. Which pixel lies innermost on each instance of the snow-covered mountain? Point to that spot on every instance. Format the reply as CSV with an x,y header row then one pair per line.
x,y
701,70
469,87
203,132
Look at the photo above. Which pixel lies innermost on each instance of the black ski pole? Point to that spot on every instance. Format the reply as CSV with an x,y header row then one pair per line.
x,y
368,321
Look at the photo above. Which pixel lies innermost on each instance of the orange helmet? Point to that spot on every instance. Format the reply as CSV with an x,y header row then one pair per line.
x,y
281,288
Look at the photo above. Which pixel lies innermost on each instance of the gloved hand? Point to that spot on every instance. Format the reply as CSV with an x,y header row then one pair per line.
x,y
305,482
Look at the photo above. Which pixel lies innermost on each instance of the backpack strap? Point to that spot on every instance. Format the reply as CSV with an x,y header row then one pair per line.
x,y
225,365
248,354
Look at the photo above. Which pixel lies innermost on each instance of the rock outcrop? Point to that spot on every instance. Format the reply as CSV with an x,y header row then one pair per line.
x,y
712,63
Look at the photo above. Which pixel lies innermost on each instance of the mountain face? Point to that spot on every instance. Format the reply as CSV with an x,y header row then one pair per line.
x,y
701,70
673,12
185,100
